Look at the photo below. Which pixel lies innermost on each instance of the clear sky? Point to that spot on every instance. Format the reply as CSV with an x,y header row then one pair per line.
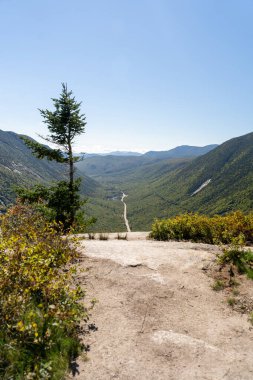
x,y
152,74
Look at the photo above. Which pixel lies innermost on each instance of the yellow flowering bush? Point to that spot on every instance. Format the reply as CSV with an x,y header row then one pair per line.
x,y
40,308
235,228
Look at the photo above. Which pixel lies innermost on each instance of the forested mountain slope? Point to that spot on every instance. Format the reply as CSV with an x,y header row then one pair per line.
x,y
226,172
19,167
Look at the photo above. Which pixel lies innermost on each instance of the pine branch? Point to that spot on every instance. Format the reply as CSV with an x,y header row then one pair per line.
x,y
41,151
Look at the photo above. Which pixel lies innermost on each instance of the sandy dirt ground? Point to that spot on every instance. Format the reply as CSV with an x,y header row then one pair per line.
x,y
157,315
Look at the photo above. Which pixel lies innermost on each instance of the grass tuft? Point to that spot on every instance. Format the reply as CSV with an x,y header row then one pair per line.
x,y
103,236
231,301
122,237
218,285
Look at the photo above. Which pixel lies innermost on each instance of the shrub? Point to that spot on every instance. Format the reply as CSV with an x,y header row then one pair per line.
x,y
235,228
57,204
242,259
40,309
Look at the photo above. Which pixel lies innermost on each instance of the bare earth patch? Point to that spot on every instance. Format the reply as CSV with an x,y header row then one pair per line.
x,y
157,315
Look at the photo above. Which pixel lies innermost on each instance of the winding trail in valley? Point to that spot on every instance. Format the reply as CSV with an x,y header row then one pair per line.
x,y
125,212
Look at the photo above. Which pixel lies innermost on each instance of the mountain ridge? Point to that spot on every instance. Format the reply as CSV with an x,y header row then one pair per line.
x,y
182,151
179,151
97,166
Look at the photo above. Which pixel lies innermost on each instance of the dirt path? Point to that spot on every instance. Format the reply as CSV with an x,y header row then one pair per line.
x,y
125,212
158,317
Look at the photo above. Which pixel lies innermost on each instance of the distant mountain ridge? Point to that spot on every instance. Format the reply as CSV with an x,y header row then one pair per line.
x,y
101,165
182,151
116,153
178,152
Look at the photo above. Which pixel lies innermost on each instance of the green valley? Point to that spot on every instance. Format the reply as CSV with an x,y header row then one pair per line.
x,y
166,187
212,180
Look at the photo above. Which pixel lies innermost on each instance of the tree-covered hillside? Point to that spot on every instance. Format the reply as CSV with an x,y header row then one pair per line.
x,y
229,167
19,167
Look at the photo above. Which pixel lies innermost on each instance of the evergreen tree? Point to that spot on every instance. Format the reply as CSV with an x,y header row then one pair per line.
x,y
64,123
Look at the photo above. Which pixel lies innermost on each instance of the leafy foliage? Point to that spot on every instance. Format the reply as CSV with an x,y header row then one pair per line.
x,y
235,228
40,312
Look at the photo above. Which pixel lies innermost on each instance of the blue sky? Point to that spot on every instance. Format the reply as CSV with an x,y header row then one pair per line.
x,y
151,74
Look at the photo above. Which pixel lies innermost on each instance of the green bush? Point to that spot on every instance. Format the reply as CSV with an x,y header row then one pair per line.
x,y
242,259
40,308
235,228
56,204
